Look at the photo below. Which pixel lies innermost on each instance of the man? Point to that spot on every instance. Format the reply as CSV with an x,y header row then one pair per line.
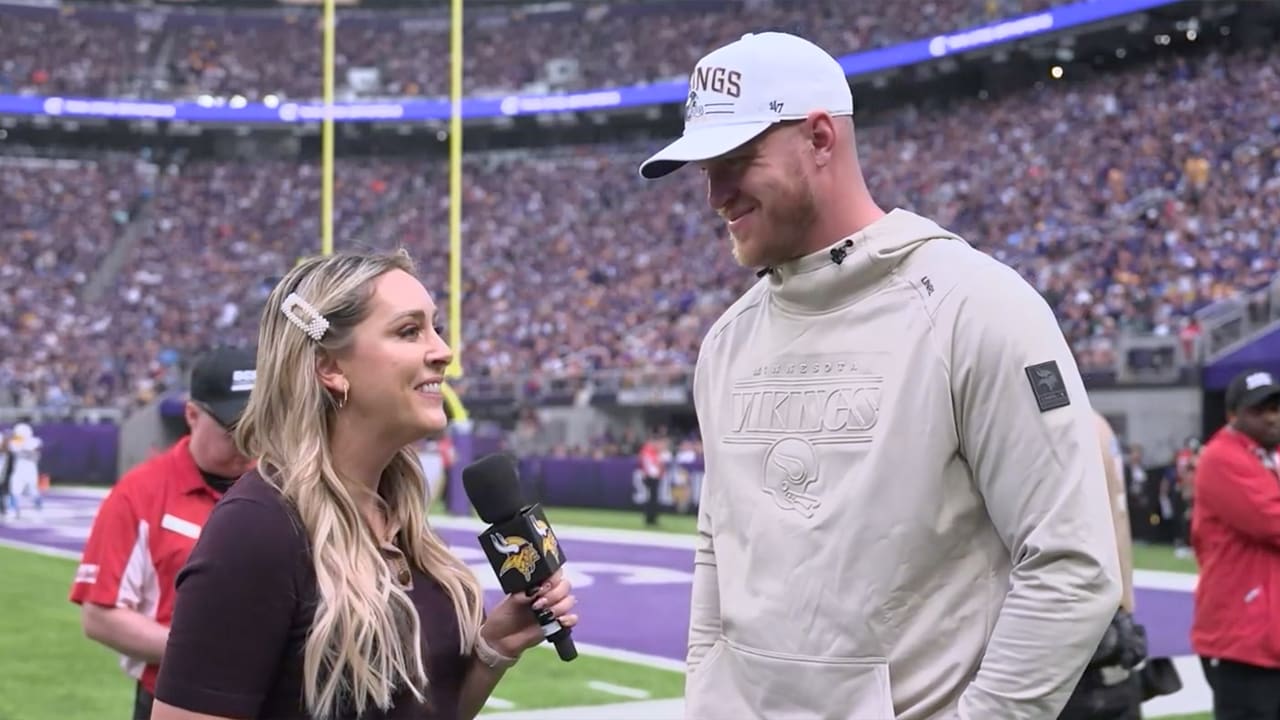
x,y
6,469
901,463
653,458
1142,495
149,523
1111,688
1184,464
1235,532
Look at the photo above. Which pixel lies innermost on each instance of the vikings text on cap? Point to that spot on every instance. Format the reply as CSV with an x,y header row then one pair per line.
x,y
717,80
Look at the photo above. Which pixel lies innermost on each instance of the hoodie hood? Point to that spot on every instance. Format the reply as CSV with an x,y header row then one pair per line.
x,y
817,283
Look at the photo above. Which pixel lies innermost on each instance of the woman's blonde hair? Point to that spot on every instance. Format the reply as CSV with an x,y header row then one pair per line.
x,y
363,645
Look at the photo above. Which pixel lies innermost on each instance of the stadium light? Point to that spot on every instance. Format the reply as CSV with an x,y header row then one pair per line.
x,y
1056,72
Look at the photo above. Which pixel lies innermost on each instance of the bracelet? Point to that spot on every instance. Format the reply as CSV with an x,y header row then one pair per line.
x,y
491,658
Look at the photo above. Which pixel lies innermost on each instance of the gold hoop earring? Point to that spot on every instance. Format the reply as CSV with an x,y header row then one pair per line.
x,y
346,388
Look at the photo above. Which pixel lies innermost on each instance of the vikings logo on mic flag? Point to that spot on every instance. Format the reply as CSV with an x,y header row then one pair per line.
x,y
524,550
521,556
549,544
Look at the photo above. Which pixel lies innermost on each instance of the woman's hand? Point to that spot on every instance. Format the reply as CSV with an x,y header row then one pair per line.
x,y
512,628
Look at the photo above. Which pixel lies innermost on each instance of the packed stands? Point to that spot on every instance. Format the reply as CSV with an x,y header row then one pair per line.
x,y
58,221
1130,200
157,54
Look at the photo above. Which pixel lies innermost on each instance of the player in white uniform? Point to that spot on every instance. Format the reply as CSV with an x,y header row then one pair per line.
x,y
24,477
4,475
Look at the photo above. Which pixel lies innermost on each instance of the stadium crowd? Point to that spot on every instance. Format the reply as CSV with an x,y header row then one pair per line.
x,y
1130,200
99,51
58,222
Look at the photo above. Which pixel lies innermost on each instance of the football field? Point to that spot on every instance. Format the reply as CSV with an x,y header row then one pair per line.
x,y
632,587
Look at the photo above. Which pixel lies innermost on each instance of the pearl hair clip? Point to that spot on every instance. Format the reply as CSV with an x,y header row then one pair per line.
x,y
315,327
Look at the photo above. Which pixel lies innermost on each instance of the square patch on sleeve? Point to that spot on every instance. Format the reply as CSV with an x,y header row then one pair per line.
x,y
1047,386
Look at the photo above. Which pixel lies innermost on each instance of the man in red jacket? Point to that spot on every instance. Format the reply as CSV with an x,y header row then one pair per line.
x,y
148,524
1235,531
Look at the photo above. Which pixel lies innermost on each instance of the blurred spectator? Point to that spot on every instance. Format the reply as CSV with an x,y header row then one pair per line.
x,y
654,456
1236,536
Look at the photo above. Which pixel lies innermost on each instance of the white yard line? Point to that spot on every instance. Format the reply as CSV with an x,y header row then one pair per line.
x,y
1165,580
619,690
89,491
643,538
39,549
647,710
1193,698
656,662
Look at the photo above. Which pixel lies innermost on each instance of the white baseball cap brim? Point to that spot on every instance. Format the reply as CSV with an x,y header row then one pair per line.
x,y
740,90
701,143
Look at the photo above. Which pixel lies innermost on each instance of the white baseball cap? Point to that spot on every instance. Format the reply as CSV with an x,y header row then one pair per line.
x,y
738,91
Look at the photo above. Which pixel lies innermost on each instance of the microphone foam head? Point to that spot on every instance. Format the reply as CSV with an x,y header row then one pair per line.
x,y
492,484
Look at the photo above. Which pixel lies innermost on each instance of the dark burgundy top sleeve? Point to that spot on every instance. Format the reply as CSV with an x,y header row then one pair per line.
x,y
237,601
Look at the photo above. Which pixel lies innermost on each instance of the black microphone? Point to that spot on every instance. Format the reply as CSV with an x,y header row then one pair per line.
x,y
519,543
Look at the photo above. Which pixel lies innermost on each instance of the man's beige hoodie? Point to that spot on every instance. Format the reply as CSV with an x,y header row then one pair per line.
x,y
903,514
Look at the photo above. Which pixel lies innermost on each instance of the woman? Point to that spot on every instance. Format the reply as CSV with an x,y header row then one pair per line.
x,y
317,589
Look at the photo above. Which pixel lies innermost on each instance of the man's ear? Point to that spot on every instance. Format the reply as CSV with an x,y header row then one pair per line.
x,y
330,373
190,413
823,137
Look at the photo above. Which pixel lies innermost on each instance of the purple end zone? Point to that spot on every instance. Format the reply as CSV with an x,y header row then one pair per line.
x,y
649,617
1167,616
655,618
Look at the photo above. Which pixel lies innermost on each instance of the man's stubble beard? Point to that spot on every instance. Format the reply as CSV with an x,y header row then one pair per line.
x,y
782,228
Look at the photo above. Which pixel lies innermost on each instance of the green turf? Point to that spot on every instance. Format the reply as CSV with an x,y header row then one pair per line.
x,y
1161,557
50,671
621,519
526,684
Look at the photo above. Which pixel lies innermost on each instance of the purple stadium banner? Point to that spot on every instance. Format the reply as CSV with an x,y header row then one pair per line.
x,y
1262,353
455,496
79,453
83,454
902,54
613,483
